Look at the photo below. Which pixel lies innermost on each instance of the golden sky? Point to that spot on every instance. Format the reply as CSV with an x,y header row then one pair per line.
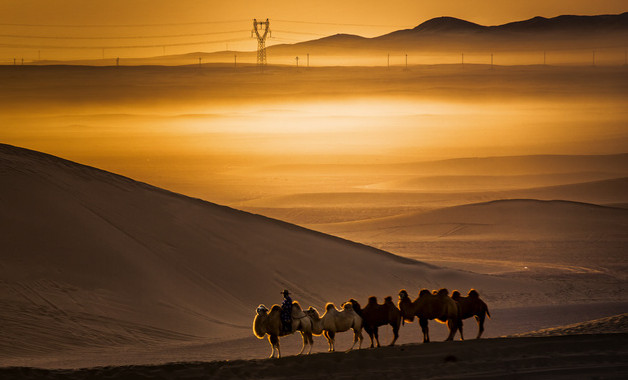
x,y
71,28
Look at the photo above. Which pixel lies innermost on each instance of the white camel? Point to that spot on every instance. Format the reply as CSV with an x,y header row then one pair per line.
x,y
266,322
335,321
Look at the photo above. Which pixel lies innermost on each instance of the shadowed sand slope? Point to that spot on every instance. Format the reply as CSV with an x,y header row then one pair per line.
x,y
90,258
558,357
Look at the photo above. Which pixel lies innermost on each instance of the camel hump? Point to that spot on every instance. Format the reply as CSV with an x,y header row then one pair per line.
x,y
424,292
455,295
347,306
275,308
443,292
473,293
388,299
372,299
329,306
297,312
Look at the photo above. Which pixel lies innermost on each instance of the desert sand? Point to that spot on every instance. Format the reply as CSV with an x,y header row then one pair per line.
x,y
115,271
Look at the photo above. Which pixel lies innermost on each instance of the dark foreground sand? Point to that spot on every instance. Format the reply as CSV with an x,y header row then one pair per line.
x,y
597,356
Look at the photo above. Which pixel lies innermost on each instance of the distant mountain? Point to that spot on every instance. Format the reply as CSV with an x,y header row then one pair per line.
x,y
447,24
444,33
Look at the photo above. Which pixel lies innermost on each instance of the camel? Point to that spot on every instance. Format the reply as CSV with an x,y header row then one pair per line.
x,y
335,321
375,315
471,306
266,322
438,306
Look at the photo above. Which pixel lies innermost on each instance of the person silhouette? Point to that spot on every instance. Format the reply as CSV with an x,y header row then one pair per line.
x,y
286,312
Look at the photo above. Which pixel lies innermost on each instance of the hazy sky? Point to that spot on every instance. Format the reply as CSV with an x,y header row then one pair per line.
x,y
83,24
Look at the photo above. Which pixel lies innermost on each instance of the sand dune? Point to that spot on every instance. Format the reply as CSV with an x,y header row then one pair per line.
x,y
499,220
92,259
608,325
458,183
386,201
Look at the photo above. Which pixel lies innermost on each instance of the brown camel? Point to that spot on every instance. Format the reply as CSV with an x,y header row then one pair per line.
x,y
335,321
471,306
375,315
438,306
266,322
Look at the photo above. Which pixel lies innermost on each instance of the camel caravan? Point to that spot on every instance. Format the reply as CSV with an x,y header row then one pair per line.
x,y
289,317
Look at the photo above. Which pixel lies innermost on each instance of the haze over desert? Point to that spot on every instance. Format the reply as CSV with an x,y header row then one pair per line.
x,y
150,204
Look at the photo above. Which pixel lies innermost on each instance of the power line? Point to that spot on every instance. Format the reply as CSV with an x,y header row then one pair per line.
x,y
303,33
121,25
339,24
122,46
120,37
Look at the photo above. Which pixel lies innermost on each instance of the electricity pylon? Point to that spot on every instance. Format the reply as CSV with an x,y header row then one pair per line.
x,y
264,27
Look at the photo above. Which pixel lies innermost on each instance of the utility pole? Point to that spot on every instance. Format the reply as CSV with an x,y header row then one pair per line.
x,y
264,27
235,61
297,61
118,61
308,59
491,61
199,61
388,61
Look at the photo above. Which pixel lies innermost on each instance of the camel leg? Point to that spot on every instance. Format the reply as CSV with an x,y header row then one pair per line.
x,y
355,339
274,343
480,319
310,340
326,334
395,334
370,332
361,337
304,343
376,333
425,330
332,340
452,329
460,328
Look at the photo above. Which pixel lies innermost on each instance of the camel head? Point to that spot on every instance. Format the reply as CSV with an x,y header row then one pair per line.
x,y
455,295
443,292
372,300
403,295
347,306
262,310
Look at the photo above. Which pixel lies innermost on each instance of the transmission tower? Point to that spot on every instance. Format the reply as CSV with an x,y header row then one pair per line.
x,y
261,30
